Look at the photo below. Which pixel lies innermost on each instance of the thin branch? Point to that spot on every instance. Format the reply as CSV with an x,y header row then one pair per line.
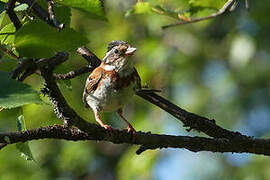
x,y
52,16
12,16
89,56
7,33
73,74
247,5
146,140
41,13
226,6
8,52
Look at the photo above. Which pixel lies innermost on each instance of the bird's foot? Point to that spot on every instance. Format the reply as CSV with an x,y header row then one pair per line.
x,y
131,129
108,128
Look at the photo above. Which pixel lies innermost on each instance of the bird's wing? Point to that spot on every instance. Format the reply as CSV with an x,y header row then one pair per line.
x,y
92,83
137,79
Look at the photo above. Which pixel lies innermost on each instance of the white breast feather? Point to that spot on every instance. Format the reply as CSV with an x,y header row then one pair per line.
x,y
105,98
109,67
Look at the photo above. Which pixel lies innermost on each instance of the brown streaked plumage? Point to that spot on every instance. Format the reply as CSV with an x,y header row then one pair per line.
x,y
111,85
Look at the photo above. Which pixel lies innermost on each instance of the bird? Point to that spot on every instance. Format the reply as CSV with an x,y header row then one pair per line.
x,y
112,84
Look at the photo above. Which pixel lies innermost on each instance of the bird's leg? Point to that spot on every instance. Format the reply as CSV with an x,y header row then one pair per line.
x,y
130,128
105,126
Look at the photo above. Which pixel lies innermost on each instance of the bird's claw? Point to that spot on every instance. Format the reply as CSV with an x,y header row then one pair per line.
x,y
108,128
131,129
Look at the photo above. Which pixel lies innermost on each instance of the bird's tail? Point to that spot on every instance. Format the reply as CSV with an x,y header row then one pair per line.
x,y
148,90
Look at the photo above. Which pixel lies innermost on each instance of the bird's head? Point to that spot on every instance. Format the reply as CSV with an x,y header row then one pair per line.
x,y
117,55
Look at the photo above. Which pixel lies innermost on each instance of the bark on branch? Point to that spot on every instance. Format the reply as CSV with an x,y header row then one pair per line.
x,y
147,140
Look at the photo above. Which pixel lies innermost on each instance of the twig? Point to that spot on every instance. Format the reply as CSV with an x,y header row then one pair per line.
x,y
246,5
226,6
8,33
12,16
8,52
89,56
73,74
41,13
22,67
52,16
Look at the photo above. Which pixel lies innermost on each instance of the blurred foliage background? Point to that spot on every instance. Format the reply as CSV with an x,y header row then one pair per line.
x,y
217,68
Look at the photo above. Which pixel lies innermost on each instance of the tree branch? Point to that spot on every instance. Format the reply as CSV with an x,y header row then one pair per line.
x,y
147,140
224,9
12,16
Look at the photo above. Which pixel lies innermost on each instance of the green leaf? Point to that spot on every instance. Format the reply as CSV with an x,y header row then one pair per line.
x,y
37,39
93,7
65,83
142,8
7,34
146,8
63,14
215,4
23,147
21,7
162,11
2,17
14,93
7,65
25,151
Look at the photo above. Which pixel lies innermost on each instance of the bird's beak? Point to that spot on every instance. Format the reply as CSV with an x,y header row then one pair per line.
x,y
106,56
130,51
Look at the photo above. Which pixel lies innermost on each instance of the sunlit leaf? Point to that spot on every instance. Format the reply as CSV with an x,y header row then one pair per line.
x,y
146,8
142,8
215,4
162,11
7,34
37,39
21,7
2,17
93,7
14,93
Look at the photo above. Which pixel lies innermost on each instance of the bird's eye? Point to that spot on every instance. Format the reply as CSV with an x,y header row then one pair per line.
x,y
116,51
